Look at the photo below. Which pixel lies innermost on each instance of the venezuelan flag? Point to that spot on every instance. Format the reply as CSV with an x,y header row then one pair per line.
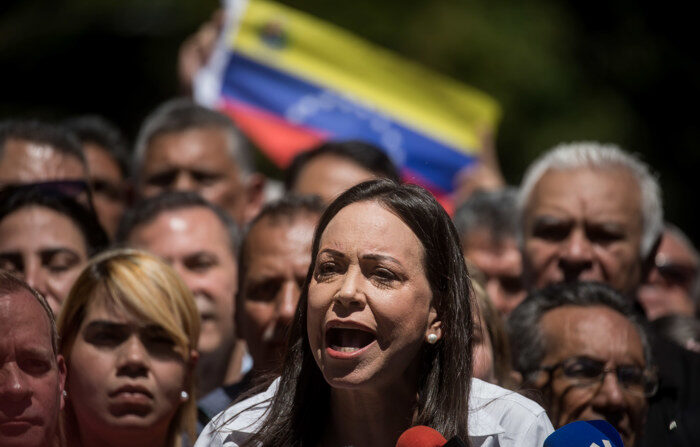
x,y
291,81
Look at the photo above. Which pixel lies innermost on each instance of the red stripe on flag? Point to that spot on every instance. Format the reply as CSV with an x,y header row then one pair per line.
x,y
445,199
276,137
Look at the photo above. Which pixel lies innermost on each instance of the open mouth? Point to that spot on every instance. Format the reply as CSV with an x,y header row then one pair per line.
x,y
348,340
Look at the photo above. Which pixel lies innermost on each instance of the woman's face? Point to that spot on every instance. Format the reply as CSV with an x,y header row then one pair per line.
x,y
369,306
45,248
123,374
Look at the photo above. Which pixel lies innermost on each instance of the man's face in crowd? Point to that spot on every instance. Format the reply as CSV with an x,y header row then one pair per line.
x,y
198,159
501,263
669,286
278,255
31,374
327,176
109,194
195,242
575,338
28,162
584,225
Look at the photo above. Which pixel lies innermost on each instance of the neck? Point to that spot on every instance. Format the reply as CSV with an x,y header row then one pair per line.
x,y
373,418
212,367
235,363
124,438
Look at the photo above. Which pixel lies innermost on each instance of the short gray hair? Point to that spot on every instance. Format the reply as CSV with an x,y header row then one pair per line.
x,y
603,156
495,211
528,344
182,114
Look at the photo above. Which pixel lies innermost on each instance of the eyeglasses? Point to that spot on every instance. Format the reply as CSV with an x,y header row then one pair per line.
x,y
676,273
588,372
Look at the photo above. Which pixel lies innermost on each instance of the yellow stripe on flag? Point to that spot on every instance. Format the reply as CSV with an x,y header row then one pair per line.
x,y
330,57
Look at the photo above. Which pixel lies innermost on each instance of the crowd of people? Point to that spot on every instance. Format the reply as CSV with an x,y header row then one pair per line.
x,y
167,296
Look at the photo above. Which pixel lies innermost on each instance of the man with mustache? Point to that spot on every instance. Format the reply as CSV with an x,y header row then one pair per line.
x,y
581,345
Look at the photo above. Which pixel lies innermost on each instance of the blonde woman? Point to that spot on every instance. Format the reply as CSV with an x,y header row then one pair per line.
x,y
128,331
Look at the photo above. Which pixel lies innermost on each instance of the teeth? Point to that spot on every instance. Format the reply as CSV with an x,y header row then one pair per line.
x,y
348,339
344,349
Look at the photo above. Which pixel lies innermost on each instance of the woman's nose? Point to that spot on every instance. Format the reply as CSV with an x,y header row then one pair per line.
x,y
349,291
132,358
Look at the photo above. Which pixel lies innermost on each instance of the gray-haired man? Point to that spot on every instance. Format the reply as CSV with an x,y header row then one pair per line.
x,y
185,147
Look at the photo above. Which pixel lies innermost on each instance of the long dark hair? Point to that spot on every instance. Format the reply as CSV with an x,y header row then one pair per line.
x,y
301,404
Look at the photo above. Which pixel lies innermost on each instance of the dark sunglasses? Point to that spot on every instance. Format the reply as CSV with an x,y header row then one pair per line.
x,y
674,273
77,190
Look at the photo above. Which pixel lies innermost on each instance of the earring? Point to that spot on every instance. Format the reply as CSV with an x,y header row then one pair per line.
x,y
65,394
184,396
432,338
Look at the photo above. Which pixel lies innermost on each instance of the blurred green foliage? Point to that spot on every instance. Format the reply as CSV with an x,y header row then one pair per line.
x,y
624,72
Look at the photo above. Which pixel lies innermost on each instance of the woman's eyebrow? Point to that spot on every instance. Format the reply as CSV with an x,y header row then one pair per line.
x,y
332,252
378,257
106,325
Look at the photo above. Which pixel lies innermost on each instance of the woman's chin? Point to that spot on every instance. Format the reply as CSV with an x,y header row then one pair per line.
x,y
351,381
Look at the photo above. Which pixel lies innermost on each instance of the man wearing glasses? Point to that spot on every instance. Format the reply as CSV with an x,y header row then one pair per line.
x,y
673,279
583,348
592,212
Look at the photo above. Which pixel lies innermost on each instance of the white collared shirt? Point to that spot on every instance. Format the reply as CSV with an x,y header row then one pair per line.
x,y
497,418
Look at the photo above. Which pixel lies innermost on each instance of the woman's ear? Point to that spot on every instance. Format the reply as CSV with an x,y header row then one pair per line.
x,y
434,331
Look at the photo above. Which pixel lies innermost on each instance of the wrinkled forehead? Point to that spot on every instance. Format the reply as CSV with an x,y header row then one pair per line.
x,y
595,331
191,147
591,193
21,311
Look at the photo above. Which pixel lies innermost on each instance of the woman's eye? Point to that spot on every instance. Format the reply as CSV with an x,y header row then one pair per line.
x,y
161,340
60,262
105,338
384,274
12,262
326,268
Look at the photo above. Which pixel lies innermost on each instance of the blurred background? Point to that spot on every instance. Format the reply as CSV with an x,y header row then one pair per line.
x,y
623,72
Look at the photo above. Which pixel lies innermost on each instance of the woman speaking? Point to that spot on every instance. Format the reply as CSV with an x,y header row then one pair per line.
x,y
381,340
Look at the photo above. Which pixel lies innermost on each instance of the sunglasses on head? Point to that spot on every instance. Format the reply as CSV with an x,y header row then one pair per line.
x,y
77,190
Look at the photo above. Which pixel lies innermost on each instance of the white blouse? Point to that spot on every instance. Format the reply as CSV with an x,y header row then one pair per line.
x,y
498,418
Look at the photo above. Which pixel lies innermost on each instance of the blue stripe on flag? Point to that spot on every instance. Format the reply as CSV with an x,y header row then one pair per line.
x,y
309,105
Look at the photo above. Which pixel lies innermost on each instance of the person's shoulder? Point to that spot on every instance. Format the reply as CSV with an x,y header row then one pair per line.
x,y
505,418
484,392
237,423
